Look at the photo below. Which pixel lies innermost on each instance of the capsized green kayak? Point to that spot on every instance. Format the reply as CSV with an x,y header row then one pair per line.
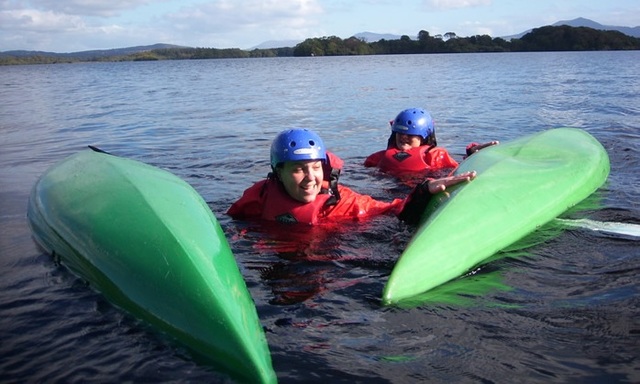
x,y
520,186
148,242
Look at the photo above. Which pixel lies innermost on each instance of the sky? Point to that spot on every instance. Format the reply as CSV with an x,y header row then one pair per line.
x,y
79,25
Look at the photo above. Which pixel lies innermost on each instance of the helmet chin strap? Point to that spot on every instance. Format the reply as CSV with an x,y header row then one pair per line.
x,y
274,174
430,140
333,183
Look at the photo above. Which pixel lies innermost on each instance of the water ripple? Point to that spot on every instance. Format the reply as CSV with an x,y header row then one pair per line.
x,y
559,306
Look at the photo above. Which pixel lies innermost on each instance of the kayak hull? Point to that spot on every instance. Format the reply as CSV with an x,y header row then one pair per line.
x,y
519,186
149,243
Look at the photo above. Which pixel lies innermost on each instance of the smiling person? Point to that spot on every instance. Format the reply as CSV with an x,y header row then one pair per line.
x,y
302,187
412,146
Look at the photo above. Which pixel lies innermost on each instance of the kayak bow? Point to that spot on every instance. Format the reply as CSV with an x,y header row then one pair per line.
x,y
149,243
519,186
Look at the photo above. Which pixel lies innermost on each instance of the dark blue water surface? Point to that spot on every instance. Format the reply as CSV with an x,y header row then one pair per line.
x,y
566,308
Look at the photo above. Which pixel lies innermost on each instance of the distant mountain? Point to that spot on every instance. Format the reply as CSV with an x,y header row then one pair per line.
x,y
582,22
276,44
366,36
93,53
371,37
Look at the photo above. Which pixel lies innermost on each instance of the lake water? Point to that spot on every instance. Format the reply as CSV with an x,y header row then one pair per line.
x,y
564,309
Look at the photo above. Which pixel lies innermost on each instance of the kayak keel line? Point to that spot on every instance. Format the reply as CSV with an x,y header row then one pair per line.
x,y
148,242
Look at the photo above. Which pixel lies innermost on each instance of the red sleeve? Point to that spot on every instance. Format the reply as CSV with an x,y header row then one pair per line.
x,y
469,148
354,205
374,159
439,158
250,204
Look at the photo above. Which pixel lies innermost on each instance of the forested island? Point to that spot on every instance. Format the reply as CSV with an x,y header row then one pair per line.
x,y
543,39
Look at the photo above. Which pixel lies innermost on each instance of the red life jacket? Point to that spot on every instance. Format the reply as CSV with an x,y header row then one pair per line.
x,y
395,160
279,206
268,199
417,159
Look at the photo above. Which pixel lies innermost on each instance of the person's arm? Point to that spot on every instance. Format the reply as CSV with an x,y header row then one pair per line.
x,y
439,158
250,204
419,198
356,206
415,204
475,147
374,159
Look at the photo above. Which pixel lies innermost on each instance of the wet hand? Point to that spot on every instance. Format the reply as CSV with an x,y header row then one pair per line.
x,y
439,185
473,149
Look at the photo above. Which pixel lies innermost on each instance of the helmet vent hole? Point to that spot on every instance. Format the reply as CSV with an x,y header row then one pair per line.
x,y
292,144
409,122
312,143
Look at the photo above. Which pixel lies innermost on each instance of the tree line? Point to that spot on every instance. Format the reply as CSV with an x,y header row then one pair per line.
x,y
543,39
549,38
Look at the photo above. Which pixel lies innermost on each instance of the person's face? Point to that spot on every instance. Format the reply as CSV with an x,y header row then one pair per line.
x,y
302,179
405,142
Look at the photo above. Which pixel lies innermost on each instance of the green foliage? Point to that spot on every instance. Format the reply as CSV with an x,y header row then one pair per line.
x,y
35,59
550,38
566,38
562,38
332,46
152,55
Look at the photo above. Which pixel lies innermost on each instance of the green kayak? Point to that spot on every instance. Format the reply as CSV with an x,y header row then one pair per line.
x,y
520,186
149,243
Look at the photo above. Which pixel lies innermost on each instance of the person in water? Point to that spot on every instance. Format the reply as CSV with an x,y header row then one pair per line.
x,y
302,187
412,146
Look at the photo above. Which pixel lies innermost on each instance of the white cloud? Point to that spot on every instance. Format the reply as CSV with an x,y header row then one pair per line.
x,y
60,32
456,4
82,24
98,8
71,25
227,15
218,21
31,20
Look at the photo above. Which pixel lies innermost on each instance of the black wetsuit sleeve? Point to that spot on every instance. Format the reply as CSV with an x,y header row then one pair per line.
x,y
415,204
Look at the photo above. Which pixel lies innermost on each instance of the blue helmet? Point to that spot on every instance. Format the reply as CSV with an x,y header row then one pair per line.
x,y
297,144
414,121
